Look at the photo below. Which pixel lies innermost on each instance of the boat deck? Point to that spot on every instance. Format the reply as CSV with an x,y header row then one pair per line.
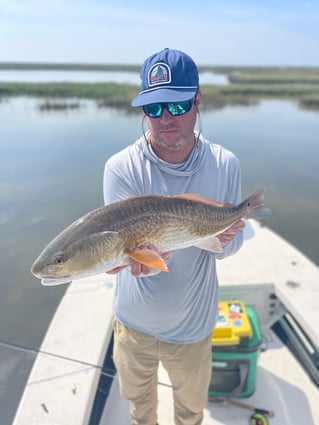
x,y
65,377
281,386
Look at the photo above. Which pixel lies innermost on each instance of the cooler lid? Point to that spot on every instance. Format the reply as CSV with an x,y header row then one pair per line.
x,y
233,325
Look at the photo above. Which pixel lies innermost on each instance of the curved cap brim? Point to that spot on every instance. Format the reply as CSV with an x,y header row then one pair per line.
x,y
164,95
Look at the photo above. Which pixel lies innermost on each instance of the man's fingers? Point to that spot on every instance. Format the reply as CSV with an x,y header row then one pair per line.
x,y
229,234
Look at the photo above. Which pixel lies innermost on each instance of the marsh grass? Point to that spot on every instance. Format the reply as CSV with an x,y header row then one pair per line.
x,y
247,86
277,76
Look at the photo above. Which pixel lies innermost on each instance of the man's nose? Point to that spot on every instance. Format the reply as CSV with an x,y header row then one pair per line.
x,y
166,116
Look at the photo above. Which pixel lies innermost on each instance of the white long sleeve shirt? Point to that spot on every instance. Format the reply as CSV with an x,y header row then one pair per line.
x,y
179,306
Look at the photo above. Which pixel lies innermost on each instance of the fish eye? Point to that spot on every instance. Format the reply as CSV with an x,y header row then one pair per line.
x,y
59,260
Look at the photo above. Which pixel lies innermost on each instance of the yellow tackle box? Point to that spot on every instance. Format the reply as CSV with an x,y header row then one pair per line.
x,y
233,325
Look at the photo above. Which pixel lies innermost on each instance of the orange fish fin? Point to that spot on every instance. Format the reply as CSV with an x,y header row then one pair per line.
x,y
212,244
198,198
149,258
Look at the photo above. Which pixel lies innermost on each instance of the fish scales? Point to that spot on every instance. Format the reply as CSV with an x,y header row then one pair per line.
x,y
161,220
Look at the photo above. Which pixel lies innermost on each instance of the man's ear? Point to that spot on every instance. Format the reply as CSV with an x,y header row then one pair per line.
x,y
198,98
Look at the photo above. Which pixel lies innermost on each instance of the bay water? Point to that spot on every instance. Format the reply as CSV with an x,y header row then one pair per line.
x,y
51,168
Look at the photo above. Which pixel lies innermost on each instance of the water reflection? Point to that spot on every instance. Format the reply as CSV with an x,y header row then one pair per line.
x,y
14,371
212,78
51,167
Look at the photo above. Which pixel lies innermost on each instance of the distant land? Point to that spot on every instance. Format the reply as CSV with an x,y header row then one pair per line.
x,y
247,84
39,66
136,67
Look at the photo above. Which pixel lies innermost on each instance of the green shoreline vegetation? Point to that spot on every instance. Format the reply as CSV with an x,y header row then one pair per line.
x,y
247,85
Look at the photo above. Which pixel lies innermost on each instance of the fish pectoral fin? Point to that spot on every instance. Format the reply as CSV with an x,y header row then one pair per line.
x,y
212,244
149,258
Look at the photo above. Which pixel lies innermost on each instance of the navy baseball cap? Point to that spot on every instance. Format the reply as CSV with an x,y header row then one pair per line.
x,y
167,76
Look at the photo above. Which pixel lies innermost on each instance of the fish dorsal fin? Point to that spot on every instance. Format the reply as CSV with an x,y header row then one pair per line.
x,y
198,198
148,258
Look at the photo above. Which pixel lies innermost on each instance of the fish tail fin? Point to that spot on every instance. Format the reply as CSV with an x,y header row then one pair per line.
x,y
255,205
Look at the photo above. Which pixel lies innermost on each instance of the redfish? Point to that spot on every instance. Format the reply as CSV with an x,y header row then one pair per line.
x,y
110,235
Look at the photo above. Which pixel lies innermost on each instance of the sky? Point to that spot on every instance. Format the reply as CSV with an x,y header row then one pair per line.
x,y
235,32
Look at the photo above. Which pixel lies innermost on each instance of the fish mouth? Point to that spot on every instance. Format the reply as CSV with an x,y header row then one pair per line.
x,y
54,281
47,280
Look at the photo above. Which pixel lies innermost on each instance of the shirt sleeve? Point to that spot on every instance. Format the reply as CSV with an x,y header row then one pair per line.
x,y
120,179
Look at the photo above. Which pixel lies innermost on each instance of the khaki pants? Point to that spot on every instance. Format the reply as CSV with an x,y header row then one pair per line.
x,y
136,357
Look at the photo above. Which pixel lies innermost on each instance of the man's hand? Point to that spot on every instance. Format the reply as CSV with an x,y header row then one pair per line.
x,y
229,234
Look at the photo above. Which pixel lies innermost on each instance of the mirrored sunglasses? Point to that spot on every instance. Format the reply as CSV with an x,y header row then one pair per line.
x,y
155,110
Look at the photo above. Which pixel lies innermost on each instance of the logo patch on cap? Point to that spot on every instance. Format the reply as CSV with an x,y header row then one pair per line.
x,y
159,73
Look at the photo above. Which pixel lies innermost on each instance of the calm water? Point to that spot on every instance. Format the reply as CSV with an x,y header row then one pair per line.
x,y
51,167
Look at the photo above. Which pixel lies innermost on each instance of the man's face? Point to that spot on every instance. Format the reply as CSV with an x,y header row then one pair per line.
x,y
174,133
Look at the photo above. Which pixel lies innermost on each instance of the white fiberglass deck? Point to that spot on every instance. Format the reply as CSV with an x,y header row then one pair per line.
x,y
62,385
281,386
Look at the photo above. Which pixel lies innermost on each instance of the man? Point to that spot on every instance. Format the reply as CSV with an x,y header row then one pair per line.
x,y
169,317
